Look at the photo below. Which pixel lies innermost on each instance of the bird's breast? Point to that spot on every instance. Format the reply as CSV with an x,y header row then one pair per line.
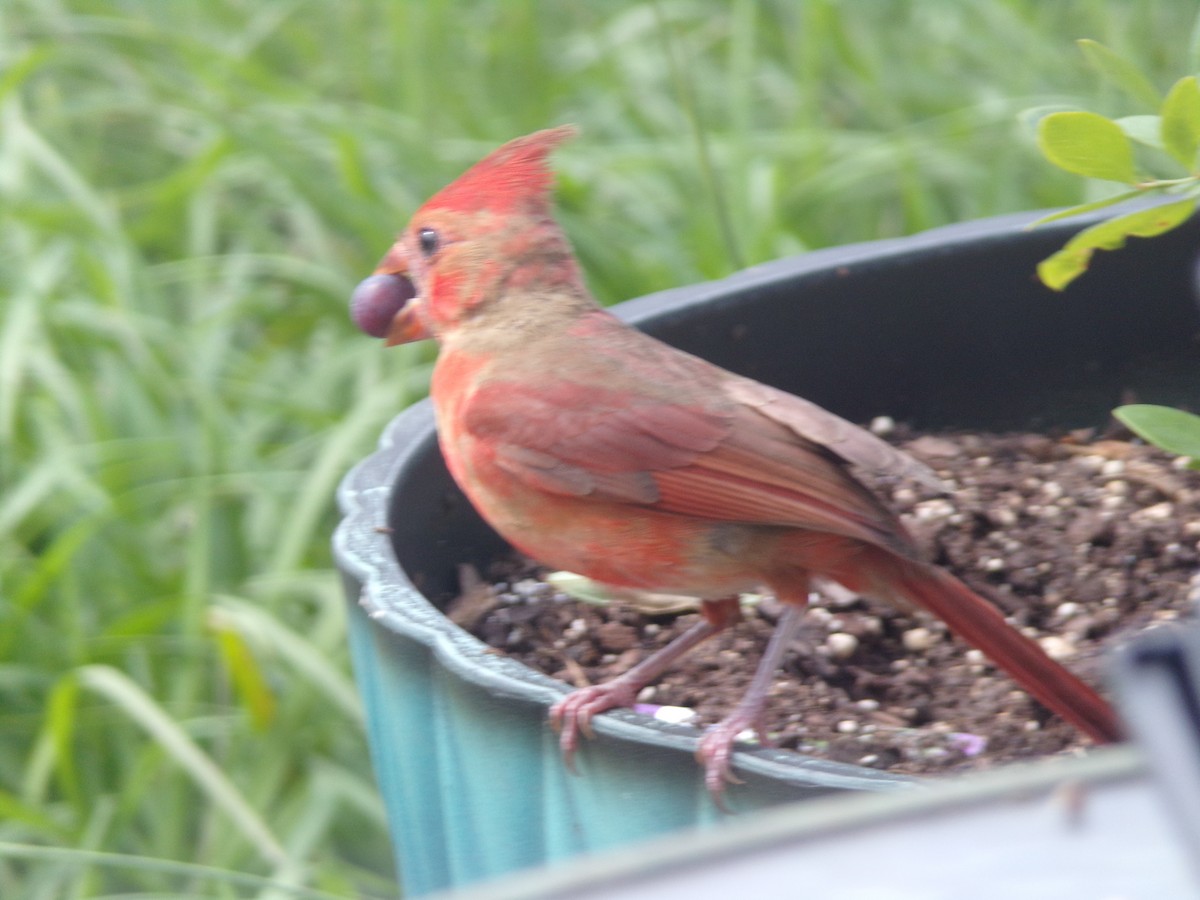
x,y
622,544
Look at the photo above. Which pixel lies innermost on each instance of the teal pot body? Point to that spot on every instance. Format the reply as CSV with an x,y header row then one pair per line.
x,y
949,328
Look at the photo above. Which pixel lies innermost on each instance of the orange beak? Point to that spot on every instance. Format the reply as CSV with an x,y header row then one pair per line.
x,y
407,327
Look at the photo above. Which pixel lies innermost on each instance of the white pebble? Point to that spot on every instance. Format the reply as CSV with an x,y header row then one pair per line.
x,y
577,628
1057,647
882,425
819,614
929,510
527,588
993,564
1067,609
871,624
918,640
675,715
1004,517
841,645
1112,467
1052,489
1159,512
1193,594
847,726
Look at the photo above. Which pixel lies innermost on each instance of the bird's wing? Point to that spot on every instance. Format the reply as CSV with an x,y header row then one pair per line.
x,y
735,452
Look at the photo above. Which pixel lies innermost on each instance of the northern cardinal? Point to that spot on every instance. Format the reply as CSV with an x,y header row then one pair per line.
x,y
597,449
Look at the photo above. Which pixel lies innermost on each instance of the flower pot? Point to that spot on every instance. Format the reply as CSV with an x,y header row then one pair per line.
x,y
945,329
1092,826
1087,827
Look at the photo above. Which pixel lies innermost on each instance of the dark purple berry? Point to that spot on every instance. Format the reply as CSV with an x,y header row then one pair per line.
x,y
376,301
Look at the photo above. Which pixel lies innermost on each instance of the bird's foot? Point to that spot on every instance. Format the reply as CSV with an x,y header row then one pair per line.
x,y
715,750
572,715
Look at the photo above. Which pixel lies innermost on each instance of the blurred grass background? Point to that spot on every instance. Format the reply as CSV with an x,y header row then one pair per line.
x,y
188,193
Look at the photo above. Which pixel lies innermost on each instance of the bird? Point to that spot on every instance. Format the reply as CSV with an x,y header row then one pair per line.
x,y
597,449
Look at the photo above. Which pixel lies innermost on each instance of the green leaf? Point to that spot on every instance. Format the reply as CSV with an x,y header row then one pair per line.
x,y
1087,207
646,602
247,676
581,588
1120,72
1087,144
1181,121
130,698
1143,129
1173,430
597,594
1063,267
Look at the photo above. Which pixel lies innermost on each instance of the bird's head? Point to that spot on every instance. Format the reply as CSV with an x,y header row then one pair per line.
x,y
486,236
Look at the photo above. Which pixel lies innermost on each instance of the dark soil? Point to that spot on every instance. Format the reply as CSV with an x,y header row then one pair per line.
x,y
1080,541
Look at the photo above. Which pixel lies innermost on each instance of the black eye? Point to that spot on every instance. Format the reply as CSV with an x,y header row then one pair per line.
x,y
428,240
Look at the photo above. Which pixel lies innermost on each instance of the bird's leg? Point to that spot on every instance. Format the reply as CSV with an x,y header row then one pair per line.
x,y
716,745
573,713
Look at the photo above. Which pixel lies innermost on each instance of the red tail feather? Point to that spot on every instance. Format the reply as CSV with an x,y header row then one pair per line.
x,y
982,625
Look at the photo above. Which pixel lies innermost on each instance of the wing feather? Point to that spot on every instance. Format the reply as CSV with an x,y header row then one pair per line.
x,y
854,444
712,458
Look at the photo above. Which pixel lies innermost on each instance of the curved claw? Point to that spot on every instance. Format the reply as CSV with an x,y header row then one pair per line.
x,y
715,750
572,715
714,753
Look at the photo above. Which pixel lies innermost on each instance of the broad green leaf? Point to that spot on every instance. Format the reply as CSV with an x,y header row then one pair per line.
x,y
1143,129
1120,72
1087,144
1181,121
1063,267
1171,429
